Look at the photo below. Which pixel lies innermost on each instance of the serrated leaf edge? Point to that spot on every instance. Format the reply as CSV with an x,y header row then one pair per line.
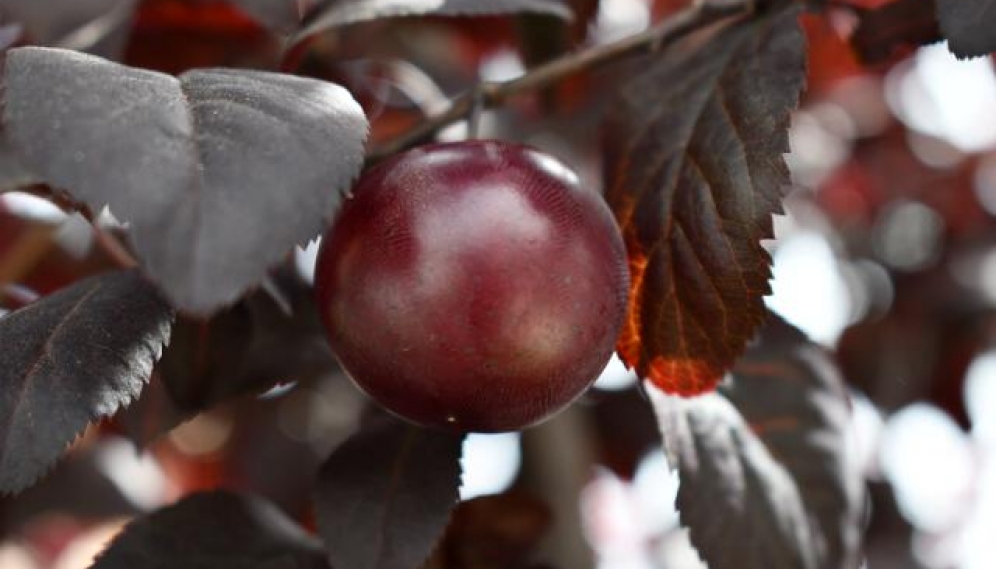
x,y
94,418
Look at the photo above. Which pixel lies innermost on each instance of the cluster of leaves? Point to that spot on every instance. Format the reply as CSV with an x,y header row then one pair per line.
x,y
201,164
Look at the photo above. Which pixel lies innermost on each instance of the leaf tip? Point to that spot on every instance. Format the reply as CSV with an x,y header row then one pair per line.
x,y
684,377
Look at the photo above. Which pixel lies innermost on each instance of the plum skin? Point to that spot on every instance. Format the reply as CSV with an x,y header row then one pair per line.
x,y
473,286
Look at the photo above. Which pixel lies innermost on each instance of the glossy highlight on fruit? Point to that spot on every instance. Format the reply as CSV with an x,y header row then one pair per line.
x,y
473,286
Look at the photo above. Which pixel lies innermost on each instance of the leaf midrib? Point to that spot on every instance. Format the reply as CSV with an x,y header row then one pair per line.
x,y
42,354
394,483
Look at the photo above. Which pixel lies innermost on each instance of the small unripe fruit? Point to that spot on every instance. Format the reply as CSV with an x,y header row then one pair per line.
x,y
472,285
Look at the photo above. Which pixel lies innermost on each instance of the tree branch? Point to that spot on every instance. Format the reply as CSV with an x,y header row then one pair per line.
x,y
491,94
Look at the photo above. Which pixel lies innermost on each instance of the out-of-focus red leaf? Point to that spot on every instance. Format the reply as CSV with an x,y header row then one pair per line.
x,y
695,170
174,36
663,8
860,190
849,196
494,532
585,12
831,58
902,23
198,14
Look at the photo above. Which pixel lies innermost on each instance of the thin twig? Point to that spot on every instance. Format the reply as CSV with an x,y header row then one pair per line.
x,y
476,110
113,247
108,242
493,93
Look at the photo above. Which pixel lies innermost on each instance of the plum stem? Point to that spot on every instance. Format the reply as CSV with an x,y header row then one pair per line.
x,y
474,115
493,93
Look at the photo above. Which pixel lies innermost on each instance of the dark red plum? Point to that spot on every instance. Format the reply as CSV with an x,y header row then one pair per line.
x,y
473,286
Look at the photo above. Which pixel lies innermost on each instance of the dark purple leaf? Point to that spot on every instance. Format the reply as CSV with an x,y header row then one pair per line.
x,y
743,509
336,13
695,170
219,172
969,26
69,359
245,349
792,395
776,485
384,497
216,530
